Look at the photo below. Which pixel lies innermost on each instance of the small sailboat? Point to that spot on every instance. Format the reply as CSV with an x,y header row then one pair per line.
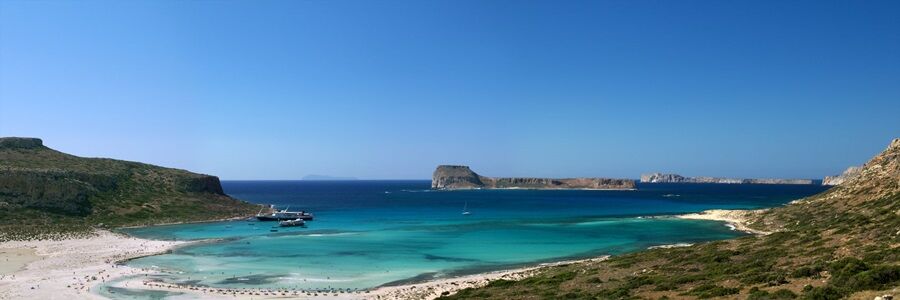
x,y
466,209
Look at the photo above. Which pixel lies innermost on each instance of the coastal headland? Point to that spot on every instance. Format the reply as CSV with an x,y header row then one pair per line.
x,y
44,192
449,177
675,178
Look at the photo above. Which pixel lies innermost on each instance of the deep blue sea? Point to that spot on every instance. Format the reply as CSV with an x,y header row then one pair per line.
x,y
372,233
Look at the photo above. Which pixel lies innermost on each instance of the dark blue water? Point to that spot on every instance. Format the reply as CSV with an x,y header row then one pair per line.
x,y
401,197
370,233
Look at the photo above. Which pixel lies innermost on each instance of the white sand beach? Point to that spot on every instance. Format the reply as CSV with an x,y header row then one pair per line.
x,y
15,259
70,268
737,219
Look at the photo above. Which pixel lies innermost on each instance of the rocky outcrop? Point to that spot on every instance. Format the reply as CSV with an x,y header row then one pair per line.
x,y
675,178
455,177
201,184
462,177
20,143
846,175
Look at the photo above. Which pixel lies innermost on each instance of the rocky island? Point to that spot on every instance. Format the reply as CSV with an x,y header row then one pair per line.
x,y
44,191
848,174
675,178
448,177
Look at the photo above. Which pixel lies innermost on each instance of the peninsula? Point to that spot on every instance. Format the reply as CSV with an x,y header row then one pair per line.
x,y
47,192
675,178
448,177
839,244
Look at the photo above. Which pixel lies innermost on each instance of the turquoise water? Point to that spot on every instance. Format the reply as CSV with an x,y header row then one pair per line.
x,y
372,233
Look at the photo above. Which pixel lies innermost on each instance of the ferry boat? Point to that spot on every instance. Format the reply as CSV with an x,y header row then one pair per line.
x,y
284,214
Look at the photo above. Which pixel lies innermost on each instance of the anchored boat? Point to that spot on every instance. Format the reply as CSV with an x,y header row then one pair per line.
x,y
284,214
292,223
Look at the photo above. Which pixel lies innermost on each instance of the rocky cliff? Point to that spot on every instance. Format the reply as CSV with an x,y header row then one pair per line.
x,y
848,174
675,178
44,188
462,177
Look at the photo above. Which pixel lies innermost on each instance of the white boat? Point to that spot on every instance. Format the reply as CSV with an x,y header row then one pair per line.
x,y
284,214
466,209
292,223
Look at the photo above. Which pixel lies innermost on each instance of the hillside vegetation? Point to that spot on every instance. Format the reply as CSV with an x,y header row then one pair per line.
x,y
842,243
44,191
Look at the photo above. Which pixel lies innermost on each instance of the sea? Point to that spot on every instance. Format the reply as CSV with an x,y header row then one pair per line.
x,y
368,234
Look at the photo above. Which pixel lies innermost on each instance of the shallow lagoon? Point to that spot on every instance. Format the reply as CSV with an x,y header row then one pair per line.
x,y
372,233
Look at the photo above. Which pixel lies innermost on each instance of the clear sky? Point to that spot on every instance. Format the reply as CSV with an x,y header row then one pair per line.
x,y
389,89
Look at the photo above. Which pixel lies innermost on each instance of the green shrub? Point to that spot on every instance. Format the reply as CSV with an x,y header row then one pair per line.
x,y
712,290
501,283
876,278
757,294
822,293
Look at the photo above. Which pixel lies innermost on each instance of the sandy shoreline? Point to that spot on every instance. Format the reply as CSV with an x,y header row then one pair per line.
x,y
73,268
737,219
15,259
424,290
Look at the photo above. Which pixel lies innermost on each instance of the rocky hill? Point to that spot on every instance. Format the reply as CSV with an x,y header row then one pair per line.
x,y
45,191
675,178
842,243
461,177
838,179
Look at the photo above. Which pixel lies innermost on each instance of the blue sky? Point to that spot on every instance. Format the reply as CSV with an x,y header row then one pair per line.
x,y
389,89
